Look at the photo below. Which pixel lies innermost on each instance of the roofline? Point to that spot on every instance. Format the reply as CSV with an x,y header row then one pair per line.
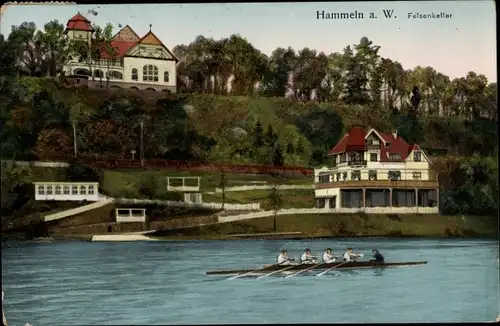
x,y
161,43
136,35
377,133
345,135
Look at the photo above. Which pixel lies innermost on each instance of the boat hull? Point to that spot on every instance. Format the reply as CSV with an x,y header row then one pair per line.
x,y
337,265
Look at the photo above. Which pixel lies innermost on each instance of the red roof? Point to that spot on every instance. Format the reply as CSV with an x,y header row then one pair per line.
x,y
120,47
354,140
79,22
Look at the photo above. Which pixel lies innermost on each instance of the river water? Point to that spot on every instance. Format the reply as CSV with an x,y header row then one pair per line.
x,y
164,282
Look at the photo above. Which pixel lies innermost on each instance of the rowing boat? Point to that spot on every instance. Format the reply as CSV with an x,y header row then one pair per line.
x,y
299,267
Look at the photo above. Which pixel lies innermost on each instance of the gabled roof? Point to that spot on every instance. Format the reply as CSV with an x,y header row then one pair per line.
x,y
151,39
354,140
80,23
122,33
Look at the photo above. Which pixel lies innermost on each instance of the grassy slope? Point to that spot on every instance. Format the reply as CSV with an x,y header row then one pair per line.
x,y
324,225
114,180
296,198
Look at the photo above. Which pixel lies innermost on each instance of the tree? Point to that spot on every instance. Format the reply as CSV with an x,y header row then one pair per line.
x,y
223,185
276,79
8,58
278,159
55,46
27,46
82,173
275,200
53,143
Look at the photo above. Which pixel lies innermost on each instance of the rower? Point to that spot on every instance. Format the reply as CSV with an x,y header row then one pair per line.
x,y
283,259
350,256
328,257
307,258
377,256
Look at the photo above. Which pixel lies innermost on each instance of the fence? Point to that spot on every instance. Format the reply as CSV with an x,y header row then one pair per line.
x,y
264,187
117,163
235,207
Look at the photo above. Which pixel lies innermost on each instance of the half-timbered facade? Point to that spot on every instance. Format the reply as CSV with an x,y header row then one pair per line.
x,y
377,172
127,61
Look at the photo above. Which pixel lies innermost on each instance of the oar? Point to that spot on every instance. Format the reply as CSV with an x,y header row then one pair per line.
x,y
254,271
304,270
277,271
323,273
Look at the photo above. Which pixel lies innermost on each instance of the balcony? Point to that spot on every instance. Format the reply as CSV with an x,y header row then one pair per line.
x,y
401,184
350,163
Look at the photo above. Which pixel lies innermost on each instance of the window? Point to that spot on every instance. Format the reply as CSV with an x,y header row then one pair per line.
x,y
58,190
344,176
356,175
320,203
417,156
342,158
98,73
166,77
74,190
134,74
372,175
417,175
373,142
150,73
41,190
388,145
66,190
91,190
394,157
49,190
83,190
373,157
394,175
338,176
324,178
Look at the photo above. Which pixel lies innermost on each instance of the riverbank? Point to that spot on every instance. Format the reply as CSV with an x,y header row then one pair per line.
x,y
342,225
316,226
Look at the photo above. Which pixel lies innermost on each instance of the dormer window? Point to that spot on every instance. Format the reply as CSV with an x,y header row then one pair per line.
x,y
394,157
417,156
388,145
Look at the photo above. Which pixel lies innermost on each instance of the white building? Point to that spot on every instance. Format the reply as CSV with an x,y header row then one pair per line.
x,y
67,191
135,63
376,172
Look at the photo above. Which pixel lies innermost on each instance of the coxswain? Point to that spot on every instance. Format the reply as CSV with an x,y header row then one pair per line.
x,y
377,256
349,255
328,257
307,258
283,259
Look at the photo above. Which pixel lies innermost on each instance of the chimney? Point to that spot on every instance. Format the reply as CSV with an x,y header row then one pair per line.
x,y
395,133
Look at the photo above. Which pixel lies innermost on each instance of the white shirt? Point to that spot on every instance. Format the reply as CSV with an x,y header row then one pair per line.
x,y
348,257
282,259
328,257
306,257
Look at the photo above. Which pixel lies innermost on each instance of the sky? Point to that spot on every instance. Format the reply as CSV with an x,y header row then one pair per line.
x,y
465,42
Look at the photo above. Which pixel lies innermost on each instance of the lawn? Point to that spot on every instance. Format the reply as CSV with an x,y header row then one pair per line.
x,y
294,198
128,181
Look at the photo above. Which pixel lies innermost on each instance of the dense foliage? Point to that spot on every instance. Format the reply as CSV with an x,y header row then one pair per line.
x,y
239,105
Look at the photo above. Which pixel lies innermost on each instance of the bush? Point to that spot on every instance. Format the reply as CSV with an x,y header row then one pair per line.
x,y
82,173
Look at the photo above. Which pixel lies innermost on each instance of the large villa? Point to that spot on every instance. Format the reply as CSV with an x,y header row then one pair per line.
x,y
135,63
376,172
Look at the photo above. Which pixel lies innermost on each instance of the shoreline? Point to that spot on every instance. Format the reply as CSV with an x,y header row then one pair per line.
x,y
247,237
